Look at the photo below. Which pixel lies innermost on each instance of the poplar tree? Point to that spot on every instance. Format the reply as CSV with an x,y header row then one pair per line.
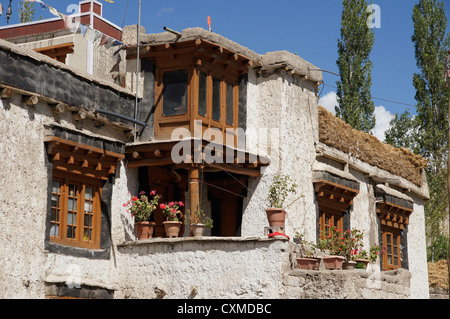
x,y
426,132
354,47
431,43
26,11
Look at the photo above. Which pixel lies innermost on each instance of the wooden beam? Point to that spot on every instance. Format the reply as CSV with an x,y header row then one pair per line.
x,y
31,100
58,108
236,169
6,93
80,115
194,194
150,162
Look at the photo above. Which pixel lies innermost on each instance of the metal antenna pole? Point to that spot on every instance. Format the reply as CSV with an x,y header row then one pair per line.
x,y
138,60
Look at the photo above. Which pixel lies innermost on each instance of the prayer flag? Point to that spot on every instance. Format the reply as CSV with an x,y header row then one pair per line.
x,y
83,29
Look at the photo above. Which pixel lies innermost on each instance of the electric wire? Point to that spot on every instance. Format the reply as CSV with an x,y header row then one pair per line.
x,y
125,13
378,98
373,97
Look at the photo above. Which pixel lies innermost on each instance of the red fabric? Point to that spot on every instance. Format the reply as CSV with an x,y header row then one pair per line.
x,y
277,234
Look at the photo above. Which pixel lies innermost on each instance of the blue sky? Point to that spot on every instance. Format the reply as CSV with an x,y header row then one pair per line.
x,y
309,28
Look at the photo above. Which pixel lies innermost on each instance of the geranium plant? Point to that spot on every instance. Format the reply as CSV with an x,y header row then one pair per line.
x,y
172,211
280,188
342,243
141,207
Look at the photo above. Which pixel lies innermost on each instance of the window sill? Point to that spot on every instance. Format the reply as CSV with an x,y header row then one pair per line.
x,y
57,248
201,239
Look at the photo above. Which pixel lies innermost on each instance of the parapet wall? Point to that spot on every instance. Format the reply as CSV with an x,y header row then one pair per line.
x,y
236,267
347,284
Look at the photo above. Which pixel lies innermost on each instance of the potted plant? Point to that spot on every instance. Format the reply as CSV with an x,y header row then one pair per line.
x,y
173,218
363,258
203,222
309,259
280,188
343,247
141,208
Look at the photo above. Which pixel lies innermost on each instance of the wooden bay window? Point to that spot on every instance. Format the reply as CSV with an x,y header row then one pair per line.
x,y
196,81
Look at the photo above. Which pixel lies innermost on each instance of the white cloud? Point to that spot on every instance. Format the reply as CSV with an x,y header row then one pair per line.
x,y
329,101
165,10
382,118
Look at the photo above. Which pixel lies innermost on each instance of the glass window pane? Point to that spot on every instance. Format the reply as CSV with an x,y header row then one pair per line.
x,y
72,190
202,94
56,187
229,98
216,100
72,204
88,193
55,201
87,220
54,230
71,231
87,234
175,95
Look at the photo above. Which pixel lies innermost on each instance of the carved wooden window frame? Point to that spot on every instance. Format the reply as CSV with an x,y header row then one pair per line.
x,y
87,167
393,221
333,200
85,225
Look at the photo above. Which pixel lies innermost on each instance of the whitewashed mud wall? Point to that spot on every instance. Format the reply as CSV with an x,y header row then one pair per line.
x,y
25,265
283,108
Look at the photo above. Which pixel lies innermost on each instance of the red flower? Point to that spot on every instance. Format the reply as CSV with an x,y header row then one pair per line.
x,y
135,198
162,206
181,204
152,193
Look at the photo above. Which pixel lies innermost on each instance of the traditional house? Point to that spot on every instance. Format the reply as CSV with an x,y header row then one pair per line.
x,y
211,125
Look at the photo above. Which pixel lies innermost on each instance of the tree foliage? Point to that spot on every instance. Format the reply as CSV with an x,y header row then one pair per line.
x,y
354,47
26,11
426,133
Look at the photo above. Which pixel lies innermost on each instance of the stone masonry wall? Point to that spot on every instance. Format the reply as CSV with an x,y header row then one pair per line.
x,y
347,284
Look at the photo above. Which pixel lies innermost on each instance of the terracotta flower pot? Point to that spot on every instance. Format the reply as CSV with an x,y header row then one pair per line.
x,y
308,263
333,262
349,265
197,229
276,217
172,228
364,262
144,230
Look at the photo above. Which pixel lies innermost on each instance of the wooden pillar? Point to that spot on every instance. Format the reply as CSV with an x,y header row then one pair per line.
x,y
194,193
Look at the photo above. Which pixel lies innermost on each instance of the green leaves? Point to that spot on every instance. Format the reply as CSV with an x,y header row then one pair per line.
x,y
281,187
353,90
426,133
26,11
